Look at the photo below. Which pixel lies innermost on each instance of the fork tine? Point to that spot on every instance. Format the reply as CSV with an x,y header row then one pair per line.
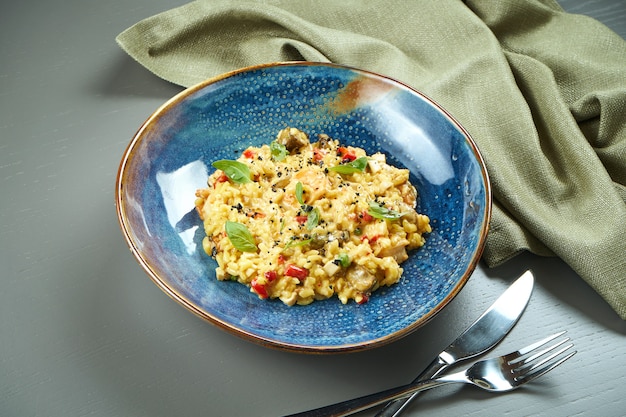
x,y
535,373
521,353
531,361
525,361
528,367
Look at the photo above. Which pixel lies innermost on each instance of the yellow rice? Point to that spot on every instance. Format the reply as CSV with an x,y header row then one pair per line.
x,y
321,242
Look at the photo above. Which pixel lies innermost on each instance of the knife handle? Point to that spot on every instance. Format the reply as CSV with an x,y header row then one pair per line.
x,y
396,407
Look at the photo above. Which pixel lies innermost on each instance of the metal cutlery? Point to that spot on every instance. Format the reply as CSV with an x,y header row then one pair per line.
x,y
480,337
499,374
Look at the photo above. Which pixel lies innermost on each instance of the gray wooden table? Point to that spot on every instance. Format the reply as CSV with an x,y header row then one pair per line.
x,y
84,332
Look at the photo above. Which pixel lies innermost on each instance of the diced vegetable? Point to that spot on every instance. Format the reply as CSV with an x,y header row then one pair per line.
x,y
296,271
270,276
366,217
370,239
259,285
259,288
362,299
221,178
318,154
347,155
375,162
344,259
331,268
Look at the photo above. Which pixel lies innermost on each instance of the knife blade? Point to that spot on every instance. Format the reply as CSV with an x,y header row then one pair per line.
x,y
480,337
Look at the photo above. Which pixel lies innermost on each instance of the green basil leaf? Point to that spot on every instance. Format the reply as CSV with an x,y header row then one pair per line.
x,y
279,151
240,237
381,212
299,192
237,171
358,165
295,242
313,219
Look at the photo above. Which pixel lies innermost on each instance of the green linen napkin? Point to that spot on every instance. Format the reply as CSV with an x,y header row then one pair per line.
x,y
541,91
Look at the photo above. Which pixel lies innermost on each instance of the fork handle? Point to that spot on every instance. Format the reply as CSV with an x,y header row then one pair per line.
x,y
355,405
396,407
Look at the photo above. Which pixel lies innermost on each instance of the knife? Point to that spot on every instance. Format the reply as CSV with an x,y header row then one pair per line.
x,y
481,336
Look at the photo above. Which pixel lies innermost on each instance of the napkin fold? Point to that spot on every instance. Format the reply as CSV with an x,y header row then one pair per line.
x,y
541,91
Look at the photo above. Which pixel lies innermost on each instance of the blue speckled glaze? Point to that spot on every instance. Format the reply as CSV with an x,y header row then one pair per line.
x,y
171,155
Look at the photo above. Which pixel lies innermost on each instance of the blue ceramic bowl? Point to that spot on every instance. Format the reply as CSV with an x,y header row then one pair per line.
x,y
171,155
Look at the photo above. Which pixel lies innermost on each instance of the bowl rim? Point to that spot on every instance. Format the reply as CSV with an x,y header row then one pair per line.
x,y
266,341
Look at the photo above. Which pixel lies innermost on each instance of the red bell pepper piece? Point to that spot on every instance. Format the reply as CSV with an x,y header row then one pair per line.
x,y
259,288
366,217
371,239
221,178
270,276
346,154
318,154
296,272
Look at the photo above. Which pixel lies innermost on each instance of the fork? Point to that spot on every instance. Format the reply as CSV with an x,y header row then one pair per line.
x,y
499,374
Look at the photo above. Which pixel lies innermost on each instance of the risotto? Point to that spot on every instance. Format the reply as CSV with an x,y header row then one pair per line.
x,y
303,221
